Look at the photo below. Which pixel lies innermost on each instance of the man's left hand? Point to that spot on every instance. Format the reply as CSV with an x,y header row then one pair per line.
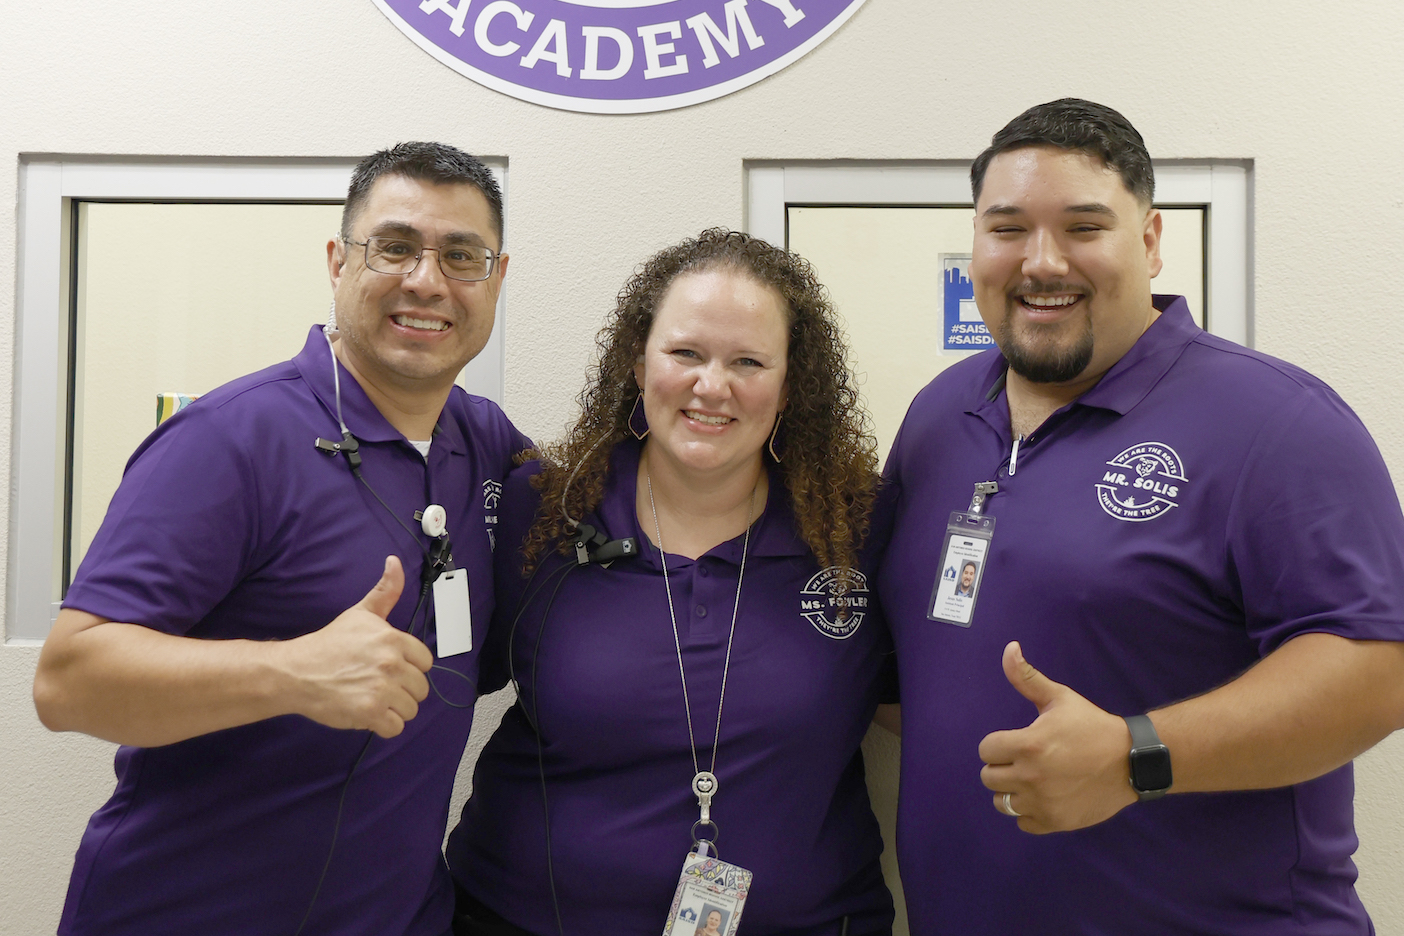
x,y
1069,768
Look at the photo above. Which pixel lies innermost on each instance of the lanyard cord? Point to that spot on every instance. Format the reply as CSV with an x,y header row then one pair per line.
x,y
703,785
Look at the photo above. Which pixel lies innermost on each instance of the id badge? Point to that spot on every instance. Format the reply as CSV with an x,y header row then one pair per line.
x,y
709,898
962,569
453,615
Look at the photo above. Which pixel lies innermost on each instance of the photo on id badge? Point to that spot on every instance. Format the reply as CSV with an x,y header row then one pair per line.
x,y
710,897
697,917
958,584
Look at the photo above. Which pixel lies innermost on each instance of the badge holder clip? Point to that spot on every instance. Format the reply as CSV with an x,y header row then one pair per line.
x,y
705,786
453,610
707,884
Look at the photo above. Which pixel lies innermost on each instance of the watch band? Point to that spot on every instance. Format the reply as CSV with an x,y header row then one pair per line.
x,y
1142,732
1151,776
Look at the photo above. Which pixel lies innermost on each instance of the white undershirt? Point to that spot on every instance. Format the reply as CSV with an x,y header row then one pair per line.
x,y
422,447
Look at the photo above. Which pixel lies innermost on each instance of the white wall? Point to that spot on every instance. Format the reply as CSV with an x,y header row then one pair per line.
x,y
1310,92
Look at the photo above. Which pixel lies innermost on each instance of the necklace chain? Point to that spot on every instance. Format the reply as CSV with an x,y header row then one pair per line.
x,y
677,641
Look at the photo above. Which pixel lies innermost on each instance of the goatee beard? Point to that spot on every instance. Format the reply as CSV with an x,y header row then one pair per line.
x,y
1052,364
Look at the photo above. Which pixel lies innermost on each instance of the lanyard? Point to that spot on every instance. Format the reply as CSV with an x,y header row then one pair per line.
x,y
704,782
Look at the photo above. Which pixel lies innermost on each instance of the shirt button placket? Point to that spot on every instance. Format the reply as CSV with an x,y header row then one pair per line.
x,y
701,591
704,584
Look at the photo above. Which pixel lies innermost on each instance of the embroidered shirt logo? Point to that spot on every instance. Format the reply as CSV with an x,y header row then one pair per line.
x,y
492,494
1142,483
826,593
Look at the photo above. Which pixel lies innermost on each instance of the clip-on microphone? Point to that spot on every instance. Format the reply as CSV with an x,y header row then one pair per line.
x,y
440,559
593,546
348,445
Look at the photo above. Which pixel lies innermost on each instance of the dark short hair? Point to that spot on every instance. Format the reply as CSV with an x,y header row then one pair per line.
x,y
1080,126
437,163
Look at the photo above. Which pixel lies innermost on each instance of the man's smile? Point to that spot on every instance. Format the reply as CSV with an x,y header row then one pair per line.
x,y
1048,307
1049,302
408,321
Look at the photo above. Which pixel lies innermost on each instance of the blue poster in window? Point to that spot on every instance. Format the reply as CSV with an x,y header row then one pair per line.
x,y
963,329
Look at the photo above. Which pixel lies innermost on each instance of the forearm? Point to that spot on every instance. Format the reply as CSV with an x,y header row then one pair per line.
x,y
134,685
1307,708
1314,704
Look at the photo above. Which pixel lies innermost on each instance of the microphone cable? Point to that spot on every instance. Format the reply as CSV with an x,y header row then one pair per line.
x,y
341,800
434,562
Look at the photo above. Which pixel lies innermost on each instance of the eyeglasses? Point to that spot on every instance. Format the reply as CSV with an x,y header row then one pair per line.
x,y
467,263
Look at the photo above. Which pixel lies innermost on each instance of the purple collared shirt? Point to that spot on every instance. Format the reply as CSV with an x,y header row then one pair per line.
x,y
230,524
1200,506
791,803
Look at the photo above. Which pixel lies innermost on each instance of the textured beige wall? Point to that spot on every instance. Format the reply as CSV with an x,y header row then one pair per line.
x,y
1310,92
166,321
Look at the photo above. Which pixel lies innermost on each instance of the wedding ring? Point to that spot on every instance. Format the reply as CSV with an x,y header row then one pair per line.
x,y
1008,808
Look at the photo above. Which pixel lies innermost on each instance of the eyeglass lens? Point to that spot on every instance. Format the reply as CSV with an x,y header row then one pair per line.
x,y
461,261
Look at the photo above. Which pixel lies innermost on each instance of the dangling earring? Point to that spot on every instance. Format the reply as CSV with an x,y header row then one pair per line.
x,y
330,327
638,421
773,433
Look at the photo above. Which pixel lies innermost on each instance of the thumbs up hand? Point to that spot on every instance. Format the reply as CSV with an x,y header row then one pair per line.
x,y
1069,768
360,671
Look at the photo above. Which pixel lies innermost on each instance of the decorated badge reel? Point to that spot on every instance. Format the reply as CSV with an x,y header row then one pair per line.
x,y
710,897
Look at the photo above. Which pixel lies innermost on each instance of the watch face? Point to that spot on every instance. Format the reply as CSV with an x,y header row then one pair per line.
x,y
1150,768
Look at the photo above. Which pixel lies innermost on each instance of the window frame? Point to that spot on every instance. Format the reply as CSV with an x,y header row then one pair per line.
x,y
49,188
1223,188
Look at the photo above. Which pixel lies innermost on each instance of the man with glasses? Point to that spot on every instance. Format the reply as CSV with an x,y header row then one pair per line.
x,y
290,733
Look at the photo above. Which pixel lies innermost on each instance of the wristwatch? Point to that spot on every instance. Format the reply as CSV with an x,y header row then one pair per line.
x,y
1150,760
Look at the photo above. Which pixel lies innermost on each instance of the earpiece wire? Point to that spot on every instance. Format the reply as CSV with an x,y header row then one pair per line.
x,y
522,605
423,594
336,384
533,716
341,801
572,522
540,747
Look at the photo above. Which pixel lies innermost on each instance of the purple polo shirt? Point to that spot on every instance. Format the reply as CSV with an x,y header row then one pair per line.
x,y
1197,508
230,524
791,803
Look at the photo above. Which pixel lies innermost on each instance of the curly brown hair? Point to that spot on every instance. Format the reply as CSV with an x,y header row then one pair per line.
x,y
828,453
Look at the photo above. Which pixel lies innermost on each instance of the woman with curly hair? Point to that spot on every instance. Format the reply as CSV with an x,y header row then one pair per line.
x,y
706,686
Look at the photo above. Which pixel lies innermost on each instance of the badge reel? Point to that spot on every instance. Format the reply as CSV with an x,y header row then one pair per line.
x,y
707,885
963,554
453,613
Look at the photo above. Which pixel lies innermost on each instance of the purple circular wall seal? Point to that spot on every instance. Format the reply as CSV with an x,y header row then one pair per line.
x,y
617,56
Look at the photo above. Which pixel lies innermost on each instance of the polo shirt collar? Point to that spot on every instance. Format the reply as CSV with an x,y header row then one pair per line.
x,y
774,533
1149,359
1127,382
366,422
